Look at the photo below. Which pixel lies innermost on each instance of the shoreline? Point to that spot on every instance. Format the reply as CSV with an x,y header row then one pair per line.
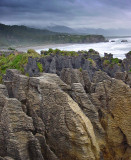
x,y
44,46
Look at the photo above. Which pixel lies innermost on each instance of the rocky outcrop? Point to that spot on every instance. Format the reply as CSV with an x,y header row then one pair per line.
x,y
127,62
32,68
87,61
55,63
72,118
107,95
51,125
124,40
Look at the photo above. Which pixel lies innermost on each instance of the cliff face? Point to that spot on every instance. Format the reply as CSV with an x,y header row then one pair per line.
x,y
71,117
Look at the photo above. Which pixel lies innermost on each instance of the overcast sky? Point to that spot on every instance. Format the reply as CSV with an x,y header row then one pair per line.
x,y
72,13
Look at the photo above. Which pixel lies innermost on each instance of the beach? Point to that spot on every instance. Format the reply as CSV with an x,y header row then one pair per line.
x,y
42,47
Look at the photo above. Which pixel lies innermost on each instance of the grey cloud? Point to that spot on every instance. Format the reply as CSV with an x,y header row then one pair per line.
x,y
74,13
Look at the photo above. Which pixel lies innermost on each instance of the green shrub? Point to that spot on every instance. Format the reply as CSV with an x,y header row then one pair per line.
x,y
80,69
30,51
0,79
44,53
13,62
27,74
119,64
93,63
82,52
50,50
91,50
106,62
39,65
115,60
130,70
59,52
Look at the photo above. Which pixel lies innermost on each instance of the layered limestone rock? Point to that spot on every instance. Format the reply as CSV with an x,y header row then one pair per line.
x,y
16,131
51,127
82,118
70,131
80,96
70,76
113,97
112,101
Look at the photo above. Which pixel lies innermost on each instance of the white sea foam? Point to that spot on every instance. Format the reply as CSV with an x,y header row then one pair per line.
x,y
117,48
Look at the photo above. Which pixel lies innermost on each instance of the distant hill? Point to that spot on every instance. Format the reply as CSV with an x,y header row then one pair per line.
x,y
22,35
16,35
94,31
61,29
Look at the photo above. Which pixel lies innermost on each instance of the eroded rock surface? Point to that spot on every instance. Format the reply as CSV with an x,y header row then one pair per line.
x,y
53,126
79,118
113,98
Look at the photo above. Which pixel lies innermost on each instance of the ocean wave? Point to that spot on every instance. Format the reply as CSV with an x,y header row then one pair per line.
x,y
117,48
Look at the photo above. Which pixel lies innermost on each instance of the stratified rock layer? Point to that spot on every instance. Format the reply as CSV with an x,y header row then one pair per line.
x,y
44,118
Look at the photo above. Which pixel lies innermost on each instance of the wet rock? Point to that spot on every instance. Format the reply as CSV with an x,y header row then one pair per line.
x,y
124,40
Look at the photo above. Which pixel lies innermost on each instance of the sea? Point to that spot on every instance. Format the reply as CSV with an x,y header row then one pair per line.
x,y
114,46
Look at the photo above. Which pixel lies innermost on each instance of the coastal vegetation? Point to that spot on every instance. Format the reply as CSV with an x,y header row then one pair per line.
x,y
106,62
80,69
92,62
59,52
111,62
40,67
17,61
115,60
